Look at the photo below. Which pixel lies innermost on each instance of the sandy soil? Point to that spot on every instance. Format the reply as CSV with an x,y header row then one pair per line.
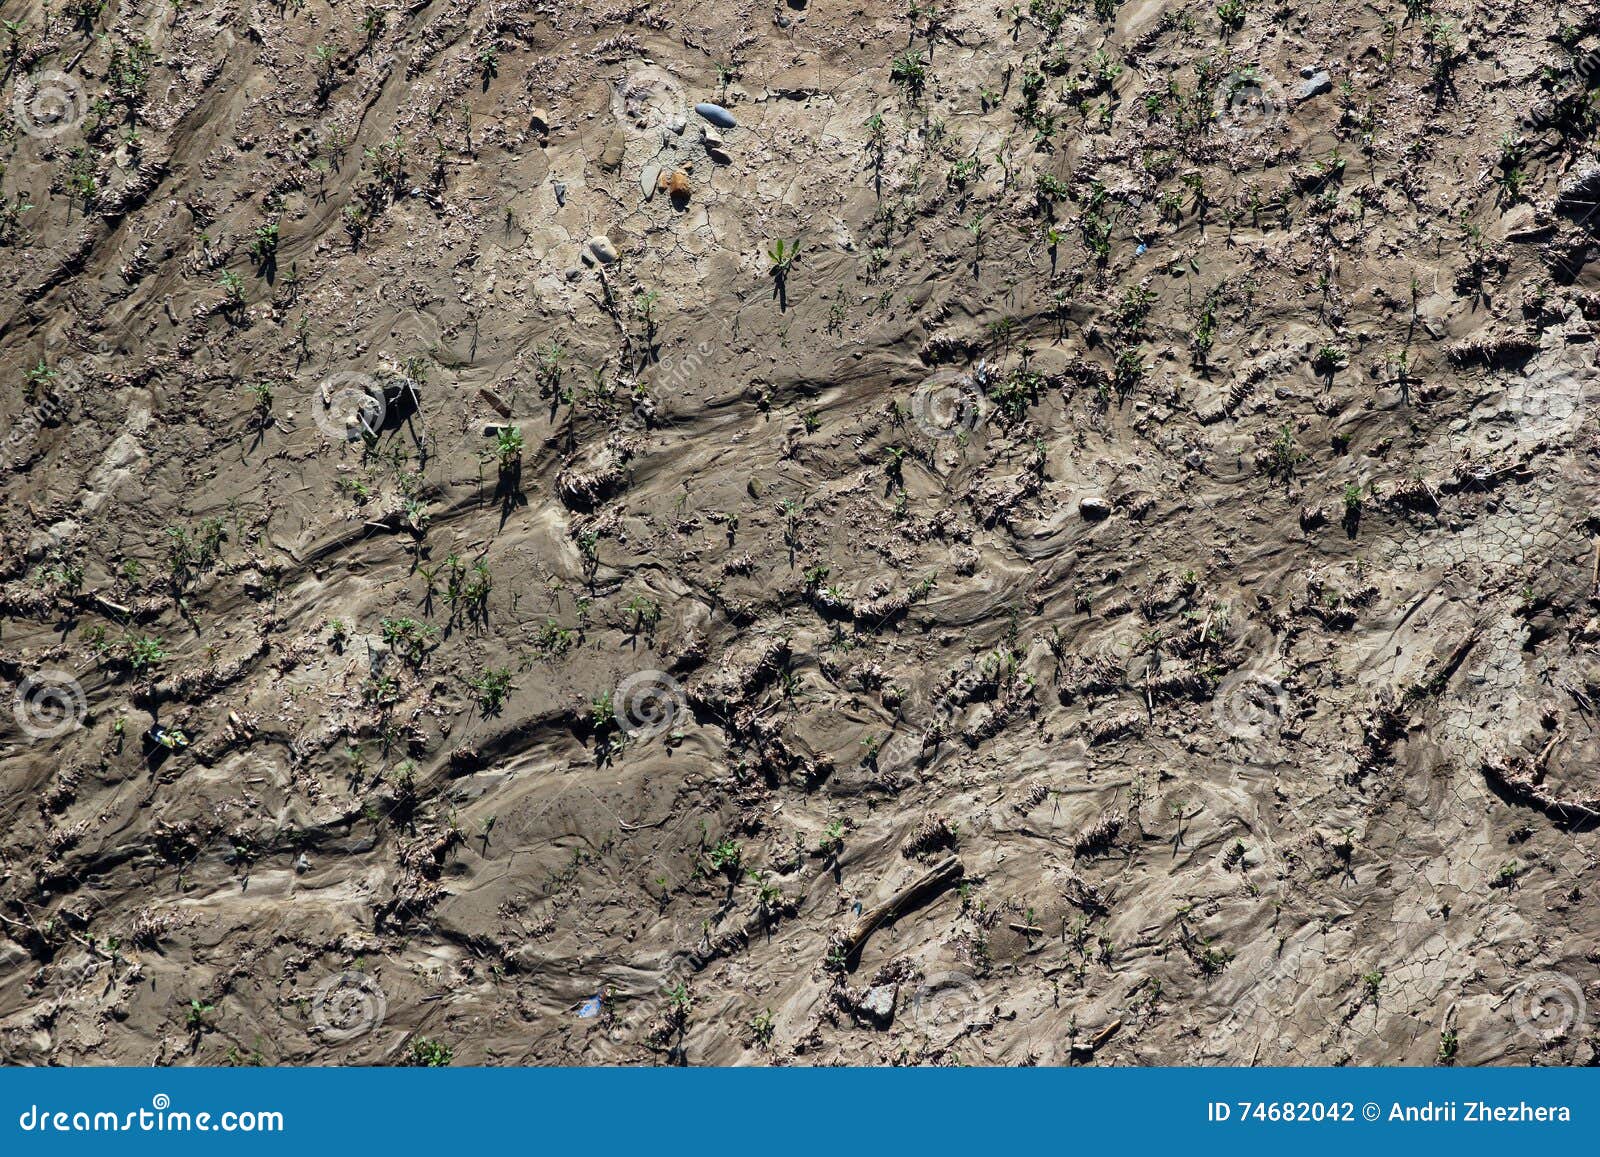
x,y
1065,535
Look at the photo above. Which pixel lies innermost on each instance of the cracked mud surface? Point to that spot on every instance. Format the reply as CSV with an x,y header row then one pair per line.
x,y
1124,593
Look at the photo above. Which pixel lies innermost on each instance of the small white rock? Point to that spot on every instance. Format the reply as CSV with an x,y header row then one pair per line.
x,y
1094,508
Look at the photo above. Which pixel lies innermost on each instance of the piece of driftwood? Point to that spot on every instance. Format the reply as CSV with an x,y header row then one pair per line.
x,y
494,400
1086,1052
1526,785
924,887
110,607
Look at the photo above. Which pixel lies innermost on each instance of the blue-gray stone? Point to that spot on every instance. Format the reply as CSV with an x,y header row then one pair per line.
x,y
717,115
1319,82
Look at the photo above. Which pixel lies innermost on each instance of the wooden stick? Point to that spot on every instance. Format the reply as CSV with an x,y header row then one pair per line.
x,y
1105,1034
936,880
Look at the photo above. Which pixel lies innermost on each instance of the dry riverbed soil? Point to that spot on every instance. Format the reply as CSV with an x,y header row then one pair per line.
x,y
798,533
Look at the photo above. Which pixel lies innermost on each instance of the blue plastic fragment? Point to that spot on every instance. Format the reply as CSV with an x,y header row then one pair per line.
x,y
1142,247
717,115
589,1008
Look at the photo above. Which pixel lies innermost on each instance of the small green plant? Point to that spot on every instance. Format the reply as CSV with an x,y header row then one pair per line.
x,y
768,894
549,364
791,511
1372,982
1448,1046
761,1028
909,71
646,613
491,688
782,255
430,1054
1329,358
262,393
409,639
1511,175
976,227
554,639
145,651
781,258
372,25
82,177
508,446
11,211
40,380
232,290
195,1015
1352,501
1283,455
726,856
264,243
323,57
